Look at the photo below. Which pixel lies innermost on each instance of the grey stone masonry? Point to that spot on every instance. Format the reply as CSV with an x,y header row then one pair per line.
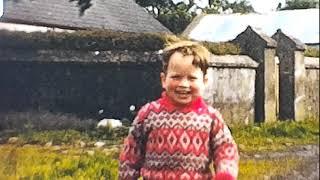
x,y
231,87
312,87
292,77
261,48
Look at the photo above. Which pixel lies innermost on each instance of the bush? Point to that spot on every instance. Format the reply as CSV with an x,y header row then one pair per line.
x,y
108,133
100,40
222,48
56,137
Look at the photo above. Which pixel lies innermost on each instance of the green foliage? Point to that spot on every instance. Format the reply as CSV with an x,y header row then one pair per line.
x,y
72,137
109,133
44,163
276,136
83,40
301,4
222,48
176,21
312,52
242,7
177,16
216,6
56,137
68,162
100,40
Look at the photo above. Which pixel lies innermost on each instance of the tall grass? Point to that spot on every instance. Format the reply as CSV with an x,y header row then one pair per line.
x,y
276,136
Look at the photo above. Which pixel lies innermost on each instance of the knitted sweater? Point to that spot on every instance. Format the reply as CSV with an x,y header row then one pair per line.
x,y
167,142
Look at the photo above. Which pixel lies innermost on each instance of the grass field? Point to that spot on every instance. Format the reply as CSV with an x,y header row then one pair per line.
x,y
30,157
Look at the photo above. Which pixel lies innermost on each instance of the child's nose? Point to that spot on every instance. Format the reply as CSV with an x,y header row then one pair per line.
x,y
184,82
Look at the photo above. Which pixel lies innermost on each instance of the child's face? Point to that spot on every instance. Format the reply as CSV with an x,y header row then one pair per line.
x,y
183,81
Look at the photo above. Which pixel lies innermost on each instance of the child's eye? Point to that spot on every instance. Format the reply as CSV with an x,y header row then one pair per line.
x,y
176,77
193,78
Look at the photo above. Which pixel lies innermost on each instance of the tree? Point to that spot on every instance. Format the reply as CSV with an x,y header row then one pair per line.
x,y
300,4
176,17
219,6
242,7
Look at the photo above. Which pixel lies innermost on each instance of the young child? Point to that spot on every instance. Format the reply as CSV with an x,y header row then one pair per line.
x,y
178,136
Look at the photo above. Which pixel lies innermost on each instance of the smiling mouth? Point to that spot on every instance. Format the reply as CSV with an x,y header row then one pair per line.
x,y
183,93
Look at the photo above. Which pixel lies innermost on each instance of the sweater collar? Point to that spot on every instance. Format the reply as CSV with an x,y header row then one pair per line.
x,y
197,105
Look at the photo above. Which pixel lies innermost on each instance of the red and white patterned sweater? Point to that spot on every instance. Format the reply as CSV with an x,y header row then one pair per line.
x,y
167,142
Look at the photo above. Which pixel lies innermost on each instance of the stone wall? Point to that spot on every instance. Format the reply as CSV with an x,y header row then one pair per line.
x,y
290,52
78,82
84,82
261,48
312,87
242,87
231,87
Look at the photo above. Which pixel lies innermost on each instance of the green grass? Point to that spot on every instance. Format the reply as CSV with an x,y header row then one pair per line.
x,y
257,169
276,136
37,162
21,161
72,137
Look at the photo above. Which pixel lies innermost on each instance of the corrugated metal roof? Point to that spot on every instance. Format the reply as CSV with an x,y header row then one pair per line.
x,y
117,15
301,24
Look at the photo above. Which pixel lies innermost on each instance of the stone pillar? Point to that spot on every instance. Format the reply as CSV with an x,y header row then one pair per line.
x,y
261,49
292,74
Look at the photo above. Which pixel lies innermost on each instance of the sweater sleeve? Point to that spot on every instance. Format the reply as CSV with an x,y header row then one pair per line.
x,y
132,154
224,149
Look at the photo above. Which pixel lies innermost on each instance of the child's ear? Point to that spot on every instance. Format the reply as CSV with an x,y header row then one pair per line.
x,y
163,79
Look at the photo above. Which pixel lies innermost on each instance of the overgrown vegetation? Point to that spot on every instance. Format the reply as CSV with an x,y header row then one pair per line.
x,y
35,162
222,48
300,4
259,137
276,136
312,52
32,158
111,136
99,40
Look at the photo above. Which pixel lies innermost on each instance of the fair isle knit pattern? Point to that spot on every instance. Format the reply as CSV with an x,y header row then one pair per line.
x,y
167,142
